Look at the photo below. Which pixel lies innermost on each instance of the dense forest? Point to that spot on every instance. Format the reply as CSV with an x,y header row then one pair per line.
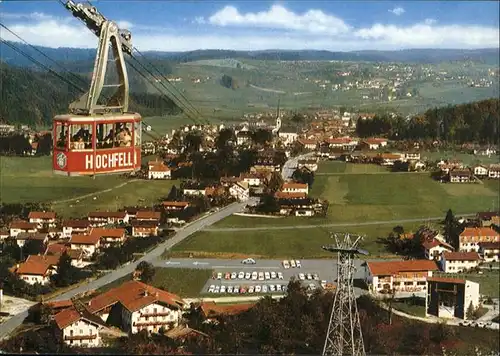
x,y
34,97
472,122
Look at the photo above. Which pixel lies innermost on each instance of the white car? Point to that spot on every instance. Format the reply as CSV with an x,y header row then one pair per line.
x,y
278,287
273,275
280,275
258,289
236,289
298,264
267,275
301,276
254,276
309,276
272,288
249,261
219,275
234,275
292,263
264,288
217,289
230,289
248,275
241,275
286,264
323,284
211,289
251,289
261,276
316,277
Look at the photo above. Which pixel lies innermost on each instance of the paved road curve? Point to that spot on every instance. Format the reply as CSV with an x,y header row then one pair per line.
x,y
291,165
12,323
291,227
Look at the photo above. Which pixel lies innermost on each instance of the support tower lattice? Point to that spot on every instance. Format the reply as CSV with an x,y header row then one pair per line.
x,y
344,336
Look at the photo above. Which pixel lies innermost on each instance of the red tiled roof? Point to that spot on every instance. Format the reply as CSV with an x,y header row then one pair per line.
x,y
387,268
71,315
479,231
285,195
180,204
102,232
23,225
56,249
153,215
307,142
212,309
131,295
340,140
428,244
42,215
59,304
77,223
390,156
375,141
85,239
461,256
446,280
294,186
490,245
51,260
158,167
33,268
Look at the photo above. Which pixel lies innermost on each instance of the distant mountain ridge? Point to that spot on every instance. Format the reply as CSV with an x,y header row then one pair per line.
x,y
423,56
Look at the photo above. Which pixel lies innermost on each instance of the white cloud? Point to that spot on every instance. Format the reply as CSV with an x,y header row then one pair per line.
x,y
278,17
398,11
300,32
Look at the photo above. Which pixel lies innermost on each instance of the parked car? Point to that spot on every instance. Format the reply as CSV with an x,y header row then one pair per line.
x,y
254,276
234,275
280,275
211,289
248,275
292,263
298,264
227,275
273,274
261,276
301,276
241,275
219,275
264,288
286,264
278,287
251,289
230,289
258,289
223,289
316,277
267,275
236,289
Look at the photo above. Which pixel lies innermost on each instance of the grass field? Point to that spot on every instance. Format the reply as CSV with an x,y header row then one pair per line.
x,y
298,243
489,281
466,158
185,282
349,168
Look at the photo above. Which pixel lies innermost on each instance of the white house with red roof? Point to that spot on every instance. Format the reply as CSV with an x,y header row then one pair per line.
x,y
240,191
471,237
456,262
78,327
16,227
158,170
42,218
434,248
292,187
109,237
139,306
374,143
36,270
407,276
101,218
489,251
70,227
89,244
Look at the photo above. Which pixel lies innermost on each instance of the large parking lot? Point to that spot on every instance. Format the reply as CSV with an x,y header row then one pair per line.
x,y
251,278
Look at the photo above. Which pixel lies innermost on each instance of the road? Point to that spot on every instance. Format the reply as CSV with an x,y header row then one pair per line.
x,y
8,326
291,165
292,227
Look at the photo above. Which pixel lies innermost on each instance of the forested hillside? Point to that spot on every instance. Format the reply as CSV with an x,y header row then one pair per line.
x,y
472,122
34,97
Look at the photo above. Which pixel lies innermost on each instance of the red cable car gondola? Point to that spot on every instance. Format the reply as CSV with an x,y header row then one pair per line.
x,y
99,139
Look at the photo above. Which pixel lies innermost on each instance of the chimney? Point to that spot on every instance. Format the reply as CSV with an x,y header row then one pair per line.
x,y
90,303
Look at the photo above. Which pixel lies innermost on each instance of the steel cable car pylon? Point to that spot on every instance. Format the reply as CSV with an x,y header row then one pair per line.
x,y
95,138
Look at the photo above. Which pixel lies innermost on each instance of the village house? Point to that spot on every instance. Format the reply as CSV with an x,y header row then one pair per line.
x,y
253,179
89,244
78,327
408,276
310,164
175,205
148,215
34,271
23,237
210,310
489,251
59,249
181,333
16,227
144,228
480,171
54,232
411,156
228,181
158,170
494,171
109,237
42,218
139,306
344,143
300,207
471,237
388,159
373,143
243,137
451,297
4,234
288,138
488,218
295,188
240,191
460,176
283,195
70,227
194,188
101,218
455,262
434,248
308,144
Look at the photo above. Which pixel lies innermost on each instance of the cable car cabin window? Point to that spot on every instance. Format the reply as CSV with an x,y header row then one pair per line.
x,y
61,136
123,134
137,133
105,136
81,137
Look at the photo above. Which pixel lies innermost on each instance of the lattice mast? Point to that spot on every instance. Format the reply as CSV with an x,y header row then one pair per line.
x,y
344,336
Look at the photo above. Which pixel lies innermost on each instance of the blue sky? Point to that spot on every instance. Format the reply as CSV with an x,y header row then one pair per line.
x,y
257,25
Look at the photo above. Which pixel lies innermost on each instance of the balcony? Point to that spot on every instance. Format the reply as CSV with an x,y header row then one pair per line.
x,y
81,337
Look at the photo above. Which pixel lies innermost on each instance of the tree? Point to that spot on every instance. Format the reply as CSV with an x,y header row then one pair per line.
x,y
147,271
39,313
275,182
33,247
65,271
452,230
470,313
262,136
